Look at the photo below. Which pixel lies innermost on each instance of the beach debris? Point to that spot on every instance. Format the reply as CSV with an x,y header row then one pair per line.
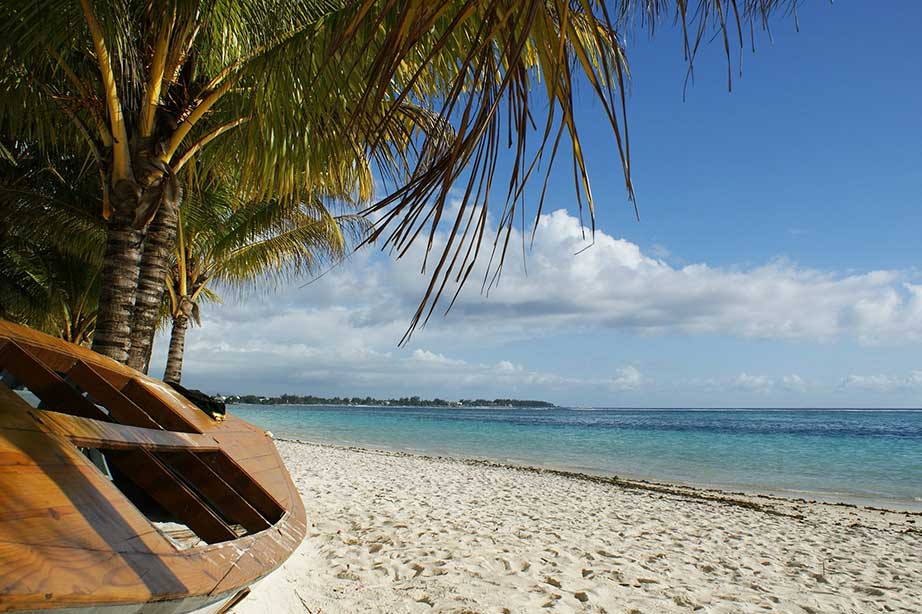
x,y
550,603
306,607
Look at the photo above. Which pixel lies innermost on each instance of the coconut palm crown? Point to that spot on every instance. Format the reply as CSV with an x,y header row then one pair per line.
x,y
225,243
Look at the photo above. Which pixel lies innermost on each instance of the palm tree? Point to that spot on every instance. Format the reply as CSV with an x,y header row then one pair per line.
x,y
148,89
294,91
236,245
49,291
51,244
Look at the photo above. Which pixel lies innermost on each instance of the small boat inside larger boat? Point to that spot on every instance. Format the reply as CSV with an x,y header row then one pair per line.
x,y
118,494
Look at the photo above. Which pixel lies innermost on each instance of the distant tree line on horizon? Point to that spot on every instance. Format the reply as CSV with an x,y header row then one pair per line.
x,y
414,401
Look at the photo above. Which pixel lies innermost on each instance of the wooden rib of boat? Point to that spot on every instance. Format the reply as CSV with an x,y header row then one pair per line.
x,y
117,494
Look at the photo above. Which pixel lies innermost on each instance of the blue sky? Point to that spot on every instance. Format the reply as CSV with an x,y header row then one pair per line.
x,y
774,263
814,155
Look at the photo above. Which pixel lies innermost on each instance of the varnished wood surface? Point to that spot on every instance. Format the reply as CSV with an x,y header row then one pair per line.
x,y
93,433
138,465
69,538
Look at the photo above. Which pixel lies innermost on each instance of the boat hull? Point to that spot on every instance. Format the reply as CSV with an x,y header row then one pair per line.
x,y
78,535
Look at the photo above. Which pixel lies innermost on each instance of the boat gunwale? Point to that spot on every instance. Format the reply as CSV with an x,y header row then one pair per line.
x,y
265,550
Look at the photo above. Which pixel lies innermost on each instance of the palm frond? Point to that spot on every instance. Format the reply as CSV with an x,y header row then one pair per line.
x,y
309,97
51,242
478,63
294,248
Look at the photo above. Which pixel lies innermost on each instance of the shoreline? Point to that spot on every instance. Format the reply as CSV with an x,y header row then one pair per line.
x,y
393,532
364,406
702,491
592,407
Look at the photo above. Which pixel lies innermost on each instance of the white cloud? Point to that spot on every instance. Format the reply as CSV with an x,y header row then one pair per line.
x,y
884,383
753,383
615,285
612,285
660,251
432,357
793,382
339,335
627,378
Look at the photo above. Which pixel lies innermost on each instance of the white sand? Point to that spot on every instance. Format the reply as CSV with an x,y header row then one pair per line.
x,y
395,533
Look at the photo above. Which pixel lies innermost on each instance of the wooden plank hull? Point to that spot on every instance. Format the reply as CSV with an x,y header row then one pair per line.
x,y
192,605
74,540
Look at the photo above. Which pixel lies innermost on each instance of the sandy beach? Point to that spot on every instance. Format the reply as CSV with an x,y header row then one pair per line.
x,y
395,533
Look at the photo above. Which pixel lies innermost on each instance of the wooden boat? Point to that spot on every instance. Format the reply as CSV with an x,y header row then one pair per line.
x,y
117,494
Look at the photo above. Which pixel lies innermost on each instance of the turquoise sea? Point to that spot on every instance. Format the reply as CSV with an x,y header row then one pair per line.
x,y
869,457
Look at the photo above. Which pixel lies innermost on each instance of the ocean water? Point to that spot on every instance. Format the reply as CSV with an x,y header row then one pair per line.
x,y
869,457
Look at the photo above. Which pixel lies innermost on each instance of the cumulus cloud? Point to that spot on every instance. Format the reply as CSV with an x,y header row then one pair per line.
x,y
793,382
753,383
660,251
627,378
884,383
339,335
615,285
432,357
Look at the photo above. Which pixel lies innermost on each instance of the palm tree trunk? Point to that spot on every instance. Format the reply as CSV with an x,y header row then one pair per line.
x,y
119,281
173,371
158,244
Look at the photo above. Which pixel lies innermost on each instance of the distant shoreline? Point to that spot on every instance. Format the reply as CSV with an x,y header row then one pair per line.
x,y
404,402
363,406
584,408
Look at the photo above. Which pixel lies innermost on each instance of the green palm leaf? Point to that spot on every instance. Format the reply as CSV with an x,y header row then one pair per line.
x,y
309,97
